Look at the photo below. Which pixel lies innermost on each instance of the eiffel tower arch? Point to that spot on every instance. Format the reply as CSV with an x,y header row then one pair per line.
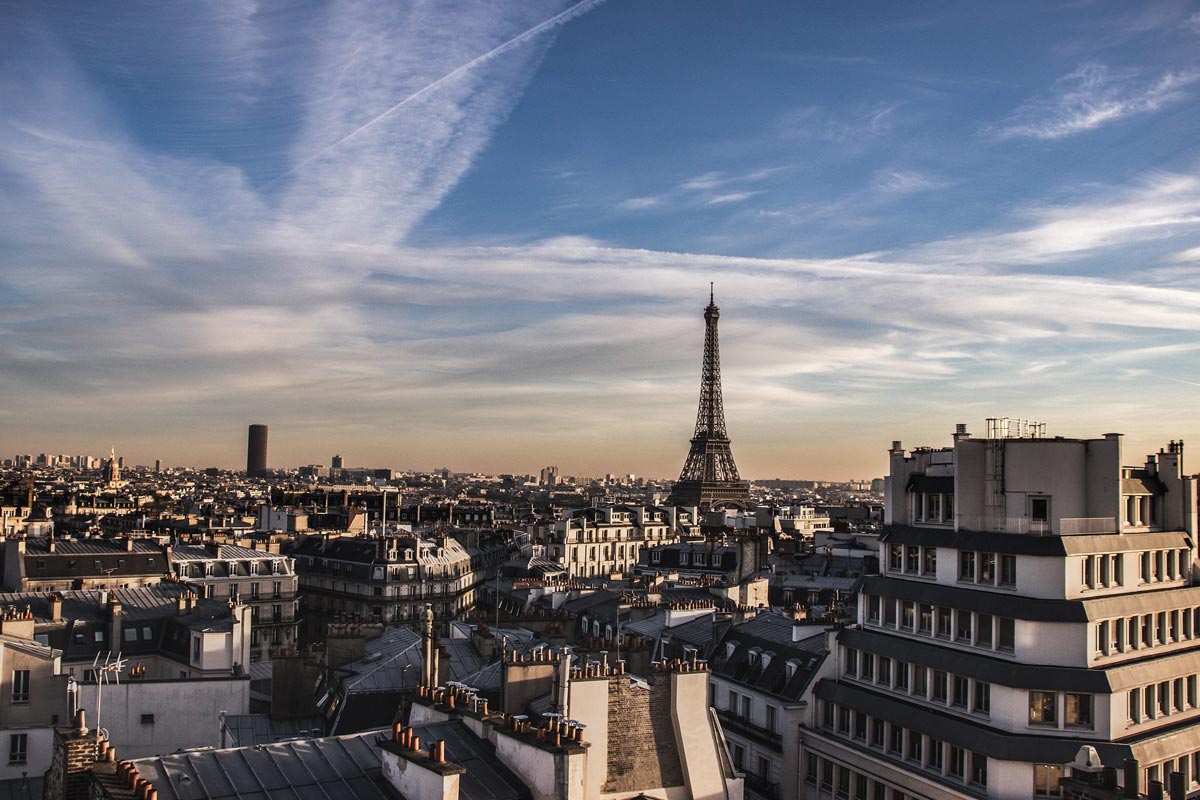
x,y
710,478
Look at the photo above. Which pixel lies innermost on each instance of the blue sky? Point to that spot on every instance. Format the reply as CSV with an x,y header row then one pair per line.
x,y
481,234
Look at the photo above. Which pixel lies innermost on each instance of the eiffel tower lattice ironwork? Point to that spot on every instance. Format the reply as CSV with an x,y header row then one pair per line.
x,y
710,478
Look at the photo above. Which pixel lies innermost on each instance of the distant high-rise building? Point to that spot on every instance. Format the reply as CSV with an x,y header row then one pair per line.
x,y
548,476
710,478
256,450
158,465
336,462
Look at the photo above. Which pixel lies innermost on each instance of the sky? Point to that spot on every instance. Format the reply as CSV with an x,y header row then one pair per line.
x,y
481,234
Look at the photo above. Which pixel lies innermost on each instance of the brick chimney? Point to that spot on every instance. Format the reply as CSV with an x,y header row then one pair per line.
x,y
56,605
75,752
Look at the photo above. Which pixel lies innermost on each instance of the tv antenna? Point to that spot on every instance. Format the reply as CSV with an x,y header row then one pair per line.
x,y
104,672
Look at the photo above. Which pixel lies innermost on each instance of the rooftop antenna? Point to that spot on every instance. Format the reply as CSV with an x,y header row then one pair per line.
x,y
110,667
711,301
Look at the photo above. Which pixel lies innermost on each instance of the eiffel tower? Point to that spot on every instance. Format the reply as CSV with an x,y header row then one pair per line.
x,y
710,478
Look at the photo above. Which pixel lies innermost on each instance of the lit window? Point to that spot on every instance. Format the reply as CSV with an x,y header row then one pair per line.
x,y
1043,708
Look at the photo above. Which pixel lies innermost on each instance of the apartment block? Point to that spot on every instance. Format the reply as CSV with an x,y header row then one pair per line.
x,y
1035,596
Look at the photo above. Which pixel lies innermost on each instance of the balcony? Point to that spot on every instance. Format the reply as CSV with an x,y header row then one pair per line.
x,y
761,787
740,726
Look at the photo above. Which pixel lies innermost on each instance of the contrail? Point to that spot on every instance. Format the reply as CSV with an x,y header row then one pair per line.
x,y
563,17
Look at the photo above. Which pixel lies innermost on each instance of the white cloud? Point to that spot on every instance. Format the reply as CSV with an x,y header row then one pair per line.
x,y
1090,97
639,203
1161,206
729,197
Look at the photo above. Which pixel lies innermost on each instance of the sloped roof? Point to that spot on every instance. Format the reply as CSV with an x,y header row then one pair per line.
x,y
340,766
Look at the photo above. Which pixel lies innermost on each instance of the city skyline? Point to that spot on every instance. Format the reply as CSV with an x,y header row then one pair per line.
x,y
483,236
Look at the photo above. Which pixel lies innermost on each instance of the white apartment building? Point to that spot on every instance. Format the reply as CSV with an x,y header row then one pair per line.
x,y
1034,595
608,540
265,582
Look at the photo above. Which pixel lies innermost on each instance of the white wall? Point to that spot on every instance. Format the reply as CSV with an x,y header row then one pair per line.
x,y
186,713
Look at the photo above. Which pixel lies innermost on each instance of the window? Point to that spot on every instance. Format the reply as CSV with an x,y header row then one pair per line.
x,y
907,614
983,631
867,667
873,608
901,683
196,648
963,629
966,565
978,769
929,567
18,748
20,686
935,754
1118,571
885,670
896,745
945,622
1088,577
987,567
926,619
1039,509
810,768
941,685
147,719
889,612
958,761
1006,635
851,661
895,558
771,719
920,680
1177,694
1008,570
912,560
1078,709
746,706
982,701
1043,708
914,747
961,691
1047,779
764,768
860,725
877,732
1135,705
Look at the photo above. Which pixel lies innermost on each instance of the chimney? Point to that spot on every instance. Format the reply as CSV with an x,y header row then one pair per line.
x,y
116,614
429,668
129,544
896,446
1133,775
75,752
56,603
1176,786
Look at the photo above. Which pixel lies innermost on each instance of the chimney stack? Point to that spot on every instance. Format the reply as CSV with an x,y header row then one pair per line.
x,y
56,604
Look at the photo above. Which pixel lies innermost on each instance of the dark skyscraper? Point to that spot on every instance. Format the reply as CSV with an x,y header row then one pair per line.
x,y
710,478
256,450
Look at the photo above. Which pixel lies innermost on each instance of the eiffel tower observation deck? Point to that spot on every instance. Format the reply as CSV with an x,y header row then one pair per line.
x,y
710,478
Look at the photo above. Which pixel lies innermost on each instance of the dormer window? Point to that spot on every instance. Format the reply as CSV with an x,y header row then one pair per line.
x,y
729,648
790,668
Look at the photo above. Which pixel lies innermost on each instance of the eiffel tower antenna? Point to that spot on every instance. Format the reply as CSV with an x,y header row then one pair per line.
x,y
710,478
